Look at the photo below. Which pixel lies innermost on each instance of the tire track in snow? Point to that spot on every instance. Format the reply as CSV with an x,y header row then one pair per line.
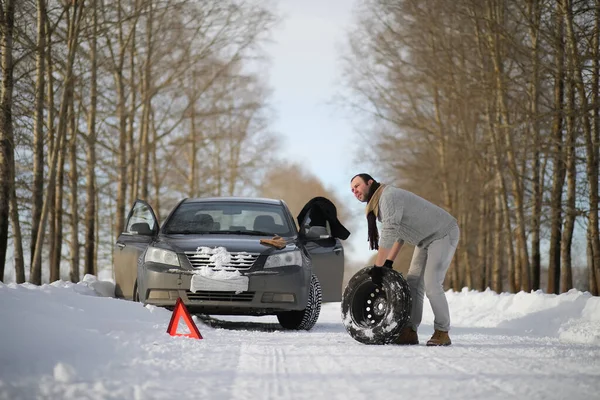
x,y
260,373
303,370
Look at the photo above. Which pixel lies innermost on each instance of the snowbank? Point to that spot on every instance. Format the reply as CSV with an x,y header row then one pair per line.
x,y
571,317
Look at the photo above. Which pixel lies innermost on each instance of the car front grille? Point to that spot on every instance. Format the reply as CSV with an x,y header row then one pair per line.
x,y
239,260
205,295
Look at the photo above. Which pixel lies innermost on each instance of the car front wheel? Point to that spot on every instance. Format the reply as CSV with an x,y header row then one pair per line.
x,y
307,318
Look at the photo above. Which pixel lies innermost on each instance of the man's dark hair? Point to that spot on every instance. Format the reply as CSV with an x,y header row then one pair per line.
x,y
364,177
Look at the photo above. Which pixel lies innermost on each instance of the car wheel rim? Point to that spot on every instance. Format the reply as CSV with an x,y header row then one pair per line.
x,y
369,305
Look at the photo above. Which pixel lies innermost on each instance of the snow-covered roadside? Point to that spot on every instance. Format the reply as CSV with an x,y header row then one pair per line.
x,y
69,341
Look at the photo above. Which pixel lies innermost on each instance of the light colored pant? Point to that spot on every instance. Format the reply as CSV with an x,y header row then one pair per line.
x,y
426,275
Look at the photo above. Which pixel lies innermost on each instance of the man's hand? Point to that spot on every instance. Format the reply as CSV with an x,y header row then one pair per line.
x,y
376,273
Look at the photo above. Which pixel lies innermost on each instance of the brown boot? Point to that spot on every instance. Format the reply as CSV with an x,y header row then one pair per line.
x,y
407,336
439,338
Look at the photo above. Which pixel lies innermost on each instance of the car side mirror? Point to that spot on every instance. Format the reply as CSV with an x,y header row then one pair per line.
x,y
141,228
316,233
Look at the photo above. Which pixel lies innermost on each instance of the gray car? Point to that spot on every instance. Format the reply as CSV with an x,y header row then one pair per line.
x,y
208,252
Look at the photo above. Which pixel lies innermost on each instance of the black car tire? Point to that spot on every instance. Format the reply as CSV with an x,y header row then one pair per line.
x,y
307,318
375,314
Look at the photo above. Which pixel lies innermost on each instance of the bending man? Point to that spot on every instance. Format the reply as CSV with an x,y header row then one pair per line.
x,y
406,217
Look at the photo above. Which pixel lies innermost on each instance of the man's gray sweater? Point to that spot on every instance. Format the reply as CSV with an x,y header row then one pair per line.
x,y
408,217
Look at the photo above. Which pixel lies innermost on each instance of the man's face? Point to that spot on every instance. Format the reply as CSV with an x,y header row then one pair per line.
x,y
360,189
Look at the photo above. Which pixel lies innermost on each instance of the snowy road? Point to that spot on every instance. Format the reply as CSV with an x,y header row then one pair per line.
x,y
62,341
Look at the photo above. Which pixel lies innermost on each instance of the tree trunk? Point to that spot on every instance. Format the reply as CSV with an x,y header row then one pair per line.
x,y
468,278
193,191
534,17
498,248
17,237
35,275
482,245
122,117
74,183
558,179
7,163
146,117
56,241
122,183
90,211
567,237
133,154
155,172
37,190
592,284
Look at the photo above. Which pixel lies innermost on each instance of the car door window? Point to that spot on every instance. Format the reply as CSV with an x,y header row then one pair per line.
x,y
315,218
141,213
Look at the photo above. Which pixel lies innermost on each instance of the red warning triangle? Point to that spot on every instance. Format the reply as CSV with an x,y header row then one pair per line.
x,y
182,311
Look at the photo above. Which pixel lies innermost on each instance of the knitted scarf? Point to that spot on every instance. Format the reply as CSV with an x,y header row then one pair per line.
x,y
372,211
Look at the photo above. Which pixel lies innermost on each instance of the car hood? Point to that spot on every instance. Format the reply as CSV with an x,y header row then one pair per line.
x,y
233,243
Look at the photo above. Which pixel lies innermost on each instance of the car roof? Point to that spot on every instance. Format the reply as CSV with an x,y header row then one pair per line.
x,y
234,199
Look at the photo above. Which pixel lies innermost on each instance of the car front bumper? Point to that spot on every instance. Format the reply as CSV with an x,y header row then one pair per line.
x,y
269,291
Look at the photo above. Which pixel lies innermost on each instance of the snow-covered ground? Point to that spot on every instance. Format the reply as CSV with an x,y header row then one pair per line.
x,y
71,341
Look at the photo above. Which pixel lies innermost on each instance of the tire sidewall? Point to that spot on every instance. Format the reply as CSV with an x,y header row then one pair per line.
x,y
313,306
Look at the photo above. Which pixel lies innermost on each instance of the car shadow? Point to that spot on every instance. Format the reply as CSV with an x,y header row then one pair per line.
x,y
240,325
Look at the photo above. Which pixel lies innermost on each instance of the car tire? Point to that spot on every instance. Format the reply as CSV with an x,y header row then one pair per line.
x,y
136,295
307,318
375,314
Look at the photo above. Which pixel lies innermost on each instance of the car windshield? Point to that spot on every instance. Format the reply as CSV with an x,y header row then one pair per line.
x,y
228,218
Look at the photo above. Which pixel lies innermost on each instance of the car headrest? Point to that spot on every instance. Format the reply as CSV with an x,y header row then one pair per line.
x,y
204,221
264,222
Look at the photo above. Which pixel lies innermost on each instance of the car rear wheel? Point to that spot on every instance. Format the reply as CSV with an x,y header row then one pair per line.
x,y
374,314
308,317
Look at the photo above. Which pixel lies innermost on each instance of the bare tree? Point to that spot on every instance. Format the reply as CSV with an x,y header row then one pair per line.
x,y
534,12
559,165
73,32
37,194
74,197
90,211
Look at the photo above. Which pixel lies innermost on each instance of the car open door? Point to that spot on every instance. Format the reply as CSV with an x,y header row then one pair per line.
x,y
321,232
140,230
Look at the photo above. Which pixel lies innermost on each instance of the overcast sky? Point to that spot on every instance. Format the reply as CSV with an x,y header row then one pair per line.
x,y
305,77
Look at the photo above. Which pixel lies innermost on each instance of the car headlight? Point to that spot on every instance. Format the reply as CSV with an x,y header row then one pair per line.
x,y
162,256
283,259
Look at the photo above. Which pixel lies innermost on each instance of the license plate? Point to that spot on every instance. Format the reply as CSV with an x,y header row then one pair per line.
x,y
233,284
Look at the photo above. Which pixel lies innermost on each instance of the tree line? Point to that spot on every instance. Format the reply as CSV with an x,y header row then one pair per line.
x,y
489,108
106,101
